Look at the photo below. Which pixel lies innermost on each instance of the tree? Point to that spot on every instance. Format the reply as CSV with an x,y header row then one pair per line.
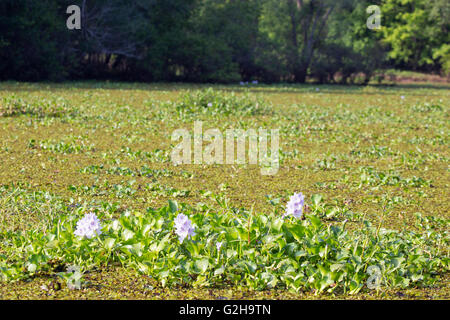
x,y
220,40
312,17
32,40
301,26
351,52
416,31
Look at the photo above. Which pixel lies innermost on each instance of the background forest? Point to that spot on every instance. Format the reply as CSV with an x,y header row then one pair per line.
x,y
224,41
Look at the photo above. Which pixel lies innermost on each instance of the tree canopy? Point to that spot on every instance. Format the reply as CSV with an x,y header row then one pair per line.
x,y
221,40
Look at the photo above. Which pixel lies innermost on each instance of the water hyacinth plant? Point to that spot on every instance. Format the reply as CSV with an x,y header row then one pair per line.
x,y
365,160
295,205
184,228
213,103
89,226
262,251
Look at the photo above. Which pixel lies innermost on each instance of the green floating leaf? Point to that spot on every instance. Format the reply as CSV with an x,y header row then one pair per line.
x,y
316,222
202,265
316,199
219,271
31,267
109,243
298,232
173,206
127,234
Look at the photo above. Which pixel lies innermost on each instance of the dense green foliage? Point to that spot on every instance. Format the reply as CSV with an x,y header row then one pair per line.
x,y
220,40
259,250
417,32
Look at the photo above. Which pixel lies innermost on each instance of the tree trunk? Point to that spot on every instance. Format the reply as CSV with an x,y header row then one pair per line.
x,y
312,29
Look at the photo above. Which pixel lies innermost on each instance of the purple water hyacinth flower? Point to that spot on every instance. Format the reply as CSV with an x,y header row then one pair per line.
x,y
88,226
295,205
184,227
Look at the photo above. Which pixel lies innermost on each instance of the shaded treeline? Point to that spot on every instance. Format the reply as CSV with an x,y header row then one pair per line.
x,y
221,40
